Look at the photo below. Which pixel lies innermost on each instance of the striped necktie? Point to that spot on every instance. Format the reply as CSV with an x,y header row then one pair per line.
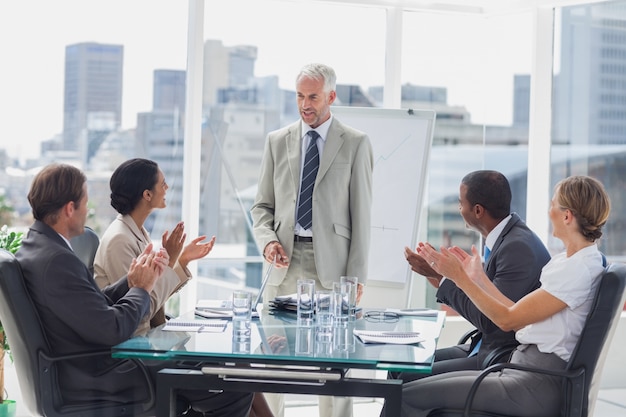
x,y
309,173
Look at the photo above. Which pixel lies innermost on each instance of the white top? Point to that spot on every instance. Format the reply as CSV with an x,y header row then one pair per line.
x,y
572,280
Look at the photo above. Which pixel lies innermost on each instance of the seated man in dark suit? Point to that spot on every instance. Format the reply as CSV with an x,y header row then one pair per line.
x,y
78,316
513,259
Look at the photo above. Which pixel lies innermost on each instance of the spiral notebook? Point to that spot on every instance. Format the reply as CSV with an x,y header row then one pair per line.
x,y
199,326
389,337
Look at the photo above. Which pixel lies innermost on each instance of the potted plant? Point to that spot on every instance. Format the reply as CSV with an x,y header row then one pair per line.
x,y
11,241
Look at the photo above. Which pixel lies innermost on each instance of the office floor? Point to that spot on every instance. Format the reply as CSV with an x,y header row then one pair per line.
x,y
610,403
363,407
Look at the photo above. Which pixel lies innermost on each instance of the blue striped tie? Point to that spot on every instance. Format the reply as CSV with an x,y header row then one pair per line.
x,y
309,173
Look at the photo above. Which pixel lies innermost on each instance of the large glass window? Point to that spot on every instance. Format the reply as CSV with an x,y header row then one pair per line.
x,y
589,120
78,76
479,85
250,65
472,70
79,80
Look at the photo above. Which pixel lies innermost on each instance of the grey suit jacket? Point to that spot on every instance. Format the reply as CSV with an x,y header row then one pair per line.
x,y
341,200
514,266
77,316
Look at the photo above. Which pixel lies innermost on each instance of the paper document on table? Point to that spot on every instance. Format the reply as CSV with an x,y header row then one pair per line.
x,y
416,312
389,337
200,326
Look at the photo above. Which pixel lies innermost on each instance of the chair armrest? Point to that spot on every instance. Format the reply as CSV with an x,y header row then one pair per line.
x,y
77,355
49,360
498,354
467,336
576,374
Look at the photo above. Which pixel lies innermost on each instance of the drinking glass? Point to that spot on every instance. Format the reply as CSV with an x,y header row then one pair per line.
x,y
306,297
354,281
324,315
242,314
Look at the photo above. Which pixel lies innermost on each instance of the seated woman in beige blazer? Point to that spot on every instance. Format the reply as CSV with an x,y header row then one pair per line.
x,y
137,188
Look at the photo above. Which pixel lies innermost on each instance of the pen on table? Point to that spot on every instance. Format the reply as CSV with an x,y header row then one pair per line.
x,y
217,312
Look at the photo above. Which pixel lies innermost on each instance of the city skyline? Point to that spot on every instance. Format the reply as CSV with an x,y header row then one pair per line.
x,y
39,116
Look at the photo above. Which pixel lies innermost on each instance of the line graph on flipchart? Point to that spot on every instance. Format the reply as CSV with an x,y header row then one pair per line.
x,y
401,141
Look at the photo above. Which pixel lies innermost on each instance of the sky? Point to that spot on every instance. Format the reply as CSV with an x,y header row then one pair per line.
x,y
473,57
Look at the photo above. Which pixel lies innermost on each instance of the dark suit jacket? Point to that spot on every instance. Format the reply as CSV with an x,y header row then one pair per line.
x,y
514,266
78,316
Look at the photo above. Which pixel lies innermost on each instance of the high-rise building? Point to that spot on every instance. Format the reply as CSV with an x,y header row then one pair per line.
x,y
241,60
413,93
590,89
169,90
521,100
226,67
93,90
160,138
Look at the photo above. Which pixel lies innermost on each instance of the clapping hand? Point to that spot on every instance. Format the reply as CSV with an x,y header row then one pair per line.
x,y
454,262
146,269
195,250
420,266
472,264
445,263
162,260
173,243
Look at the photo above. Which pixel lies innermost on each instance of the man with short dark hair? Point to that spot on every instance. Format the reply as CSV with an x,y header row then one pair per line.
x,y
77,316
513,259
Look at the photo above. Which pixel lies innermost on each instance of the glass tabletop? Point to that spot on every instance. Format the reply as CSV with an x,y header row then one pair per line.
x,y
276,339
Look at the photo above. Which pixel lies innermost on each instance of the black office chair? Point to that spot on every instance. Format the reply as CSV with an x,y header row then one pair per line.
x,y
497,355
581,377
36,365
85,246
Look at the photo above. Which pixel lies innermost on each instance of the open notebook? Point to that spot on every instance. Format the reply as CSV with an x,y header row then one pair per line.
x,y
211,308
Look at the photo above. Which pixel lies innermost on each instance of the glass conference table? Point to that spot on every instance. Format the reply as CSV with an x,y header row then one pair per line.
x,y
285,358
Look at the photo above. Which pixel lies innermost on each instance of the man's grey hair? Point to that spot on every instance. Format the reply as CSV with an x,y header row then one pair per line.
x,y
319,72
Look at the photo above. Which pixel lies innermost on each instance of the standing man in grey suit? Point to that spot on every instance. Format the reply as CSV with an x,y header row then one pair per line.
x,y
513,259
77,316
315,222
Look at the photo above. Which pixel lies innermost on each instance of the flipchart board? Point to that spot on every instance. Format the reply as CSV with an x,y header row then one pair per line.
x,y
401,140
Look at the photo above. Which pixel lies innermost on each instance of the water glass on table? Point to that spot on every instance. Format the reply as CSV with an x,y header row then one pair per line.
x,y
242,316
343,339
340,294
305,340
352,294
305,289
324,315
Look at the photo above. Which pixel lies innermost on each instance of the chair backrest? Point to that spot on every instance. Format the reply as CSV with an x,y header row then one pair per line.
x,y
85,246
23,330
595,339
37,376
